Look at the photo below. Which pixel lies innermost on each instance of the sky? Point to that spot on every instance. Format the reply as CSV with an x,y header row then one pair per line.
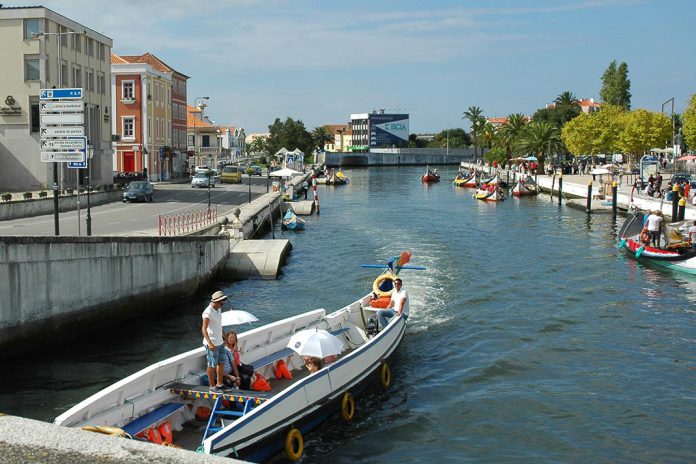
x,y
320,61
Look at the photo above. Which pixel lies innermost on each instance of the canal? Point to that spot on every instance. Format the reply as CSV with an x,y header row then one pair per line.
x,y
531,337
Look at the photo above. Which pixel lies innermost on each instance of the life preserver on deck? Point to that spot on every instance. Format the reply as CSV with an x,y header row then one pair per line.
x,y
379,280
385,376
347,406
645,236
165,431
294,445
153,436
106,430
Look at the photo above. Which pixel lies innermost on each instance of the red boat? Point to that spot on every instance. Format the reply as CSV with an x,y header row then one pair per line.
x,y
430,176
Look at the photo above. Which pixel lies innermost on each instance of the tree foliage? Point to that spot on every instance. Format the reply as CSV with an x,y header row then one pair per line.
x,y
454,138
616,86
321,136
689,123
567,98
643,130
290,134
558,115
509,134
475,115
542,139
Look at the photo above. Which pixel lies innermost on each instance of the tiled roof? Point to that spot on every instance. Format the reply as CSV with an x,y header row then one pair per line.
x,y
588,102
116,59
193,121
152,60
334,128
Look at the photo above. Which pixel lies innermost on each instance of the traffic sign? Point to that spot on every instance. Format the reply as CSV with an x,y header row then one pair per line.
x,y
77,165
62,118
63,107
62,156
59,94
64,144
64,131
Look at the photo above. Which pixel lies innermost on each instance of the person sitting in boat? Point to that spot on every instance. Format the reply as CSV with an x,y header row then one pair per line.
x,y
491,188
237,374
692,235
397,306
435,173
459,176
313,363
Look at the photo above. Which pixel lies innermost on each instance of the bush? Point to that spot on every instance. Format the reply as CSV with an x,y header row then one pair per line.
x,y
7,197
43,194
27,195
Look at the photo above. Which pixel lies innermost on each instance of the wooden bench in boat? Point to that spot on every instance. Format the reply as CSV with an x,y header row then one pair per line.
x,y
152,418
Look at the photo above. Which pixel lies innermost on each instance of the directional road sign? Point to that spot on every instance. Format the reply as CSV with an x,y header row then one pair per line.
x,y
62,107
77,165
64,144
62,156
62,118
62,131
60,94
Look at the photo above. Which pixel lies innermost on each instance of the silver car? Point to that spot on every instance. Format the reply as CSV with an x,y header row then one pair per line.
x,y
203,179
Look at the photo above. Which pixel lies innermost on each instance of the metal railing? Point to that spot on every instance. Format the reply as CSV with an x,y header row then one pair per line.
x,y
184,223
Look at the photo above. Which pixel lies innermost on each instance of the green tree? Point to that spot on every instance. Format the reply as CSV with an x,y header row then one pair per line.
x,y
578,135
321,136
542,139
558,115
290,134
616,86
454,138
609,125
474,114
567,98
689,123
258,145
510,133
642,130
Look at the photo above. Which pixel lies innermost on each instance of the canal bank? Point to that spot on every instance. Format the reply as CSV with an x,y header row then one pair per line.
x,y
398,157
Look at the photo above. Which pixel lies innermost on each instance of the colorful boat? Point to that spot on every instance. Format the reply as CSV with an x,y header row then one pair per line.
x,y
486,193
462,180
524,187
430,176
292,222
675,251
171,398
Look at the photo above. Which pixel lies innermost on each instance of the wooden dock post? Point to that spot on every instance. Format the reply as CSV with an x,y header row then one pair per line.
x,y
588,205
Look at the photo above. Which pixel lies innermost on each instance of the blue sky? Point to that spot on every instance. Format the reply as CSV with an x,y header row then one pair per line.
x,y
320,61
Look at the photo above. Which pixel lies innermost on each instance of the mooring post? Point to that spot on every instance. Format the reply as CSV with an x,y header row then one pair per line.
x,y
675,202
682,209
588,205
560,187
614,188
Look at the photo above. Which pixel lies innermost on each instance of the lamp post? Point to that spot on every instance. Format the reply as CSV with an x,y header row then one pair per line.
x,y
673,125
201,106
59,34
89,176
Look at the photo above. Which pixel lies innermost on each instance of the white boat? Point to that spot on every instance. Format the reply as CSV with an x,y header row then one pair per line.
x,y
524,187
249,424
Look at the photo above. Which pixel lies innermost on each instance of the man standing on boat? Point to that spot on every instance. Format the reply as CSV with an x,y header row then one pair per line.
x,y
213,341
397,305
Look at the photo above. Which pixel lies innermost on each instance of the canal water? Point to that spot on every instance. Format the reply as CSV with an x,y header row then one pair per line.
x,y
531,337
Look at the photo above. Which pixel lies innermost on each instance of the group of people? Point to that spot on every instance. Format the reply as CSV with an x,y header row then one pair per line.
x,y
653,225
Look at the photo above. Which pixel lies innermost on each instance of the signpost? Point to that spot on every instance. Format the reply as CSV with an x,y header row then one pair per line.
x,y
62,133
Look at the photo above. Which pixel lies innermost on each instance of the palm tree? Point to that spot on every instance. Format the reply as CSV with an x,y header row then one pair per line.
x,y
488,134
509,133
566,98
474,114
541,138
321,136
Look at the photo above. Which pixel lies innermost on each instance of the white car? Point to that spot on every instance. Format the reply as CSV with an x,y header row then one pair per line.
x,y
202,179
202,169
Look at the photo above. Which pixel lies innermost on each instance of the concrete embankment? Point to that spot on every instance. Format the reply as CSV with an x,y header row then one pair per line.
x,y
29,441
39,206
65,282
399,156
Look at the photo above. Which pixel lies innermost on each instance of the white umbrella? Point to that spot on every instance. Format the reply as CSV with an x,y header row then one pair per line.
x,y
237,317
600,171
315,342
285,172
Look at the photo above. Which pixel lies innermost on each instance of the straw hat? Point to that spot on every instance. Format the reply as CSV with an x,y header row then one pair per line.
x,y
218,297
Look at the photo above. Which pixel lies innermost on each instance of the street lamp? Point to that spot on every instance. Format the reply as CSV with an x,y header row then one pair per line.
x,y
59,34
673,134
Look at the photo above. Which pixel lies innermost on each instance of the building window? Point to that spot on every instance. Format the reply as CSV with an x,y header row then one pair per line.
x,y
205,141
64,73
101,87
89,76
77,75
35,116
31,69
191,140
78,42
63,36
128,128
127,90
31,27
90,46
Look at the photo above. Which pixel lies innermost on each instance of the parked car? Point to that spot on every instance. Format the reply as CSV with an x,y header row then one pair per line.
x,y
124,178
231,174
253,170
684,176
202,169
203,179
138,190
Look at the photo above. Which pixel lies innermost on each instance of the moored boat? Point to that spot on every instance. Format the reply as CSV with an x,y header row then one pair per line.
x,y
172,396
430,175
674,252
524,187
491,192
292,222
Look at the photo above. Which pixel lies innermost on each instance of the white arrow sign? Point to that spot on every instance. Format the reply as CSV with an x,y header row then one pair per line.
x,y
62,131
63,144
65,118
62,156
68,107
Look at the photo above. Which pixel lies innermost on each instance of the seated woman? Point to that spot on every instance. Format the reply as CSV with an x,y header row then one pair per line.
x,y
313,363
237,374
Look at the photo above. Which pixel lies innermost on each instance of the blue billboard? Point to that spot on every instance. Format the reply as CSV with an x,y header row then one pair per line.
x,y
388,130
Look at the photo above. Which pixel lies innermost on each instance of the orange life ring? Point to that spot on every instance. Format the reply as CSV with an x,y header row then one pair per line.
x,y
645,236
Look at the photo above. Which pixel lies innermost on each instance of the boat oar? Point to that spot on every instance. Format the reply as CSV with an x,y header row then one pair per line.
x,y
622,244
640,251
384,266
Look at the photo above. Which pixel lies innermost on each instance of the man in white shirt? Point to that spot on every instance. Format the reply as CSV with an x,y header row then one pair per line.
x,y
397,306
692,234
212,339
654,225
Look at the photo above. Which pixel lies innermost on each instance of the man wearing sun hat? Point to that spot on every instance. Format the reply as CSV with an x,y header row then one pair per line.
x,y
212,339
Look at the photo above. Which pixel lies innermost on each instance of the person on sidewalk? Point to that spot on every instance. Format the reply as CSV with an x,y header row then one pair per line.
x,y
213,341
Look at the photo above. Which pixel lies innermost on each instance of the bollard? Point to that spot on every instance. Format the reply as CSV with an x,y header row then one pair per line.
x,y
588,205
560,187
316,195
614,188
682,209
675,201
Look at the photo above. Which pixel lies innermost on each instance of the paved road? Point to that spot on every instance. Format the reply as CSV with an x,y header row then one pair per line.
x,y
127,218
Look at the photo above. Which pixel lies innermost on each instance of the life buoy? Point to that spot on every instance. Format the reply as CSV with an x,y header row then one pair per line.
x,y
645,236
294,445
379,280
385,376
347,406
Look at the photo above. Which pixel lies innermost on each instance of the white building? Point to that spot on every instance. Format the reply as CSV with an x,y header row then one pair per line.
x,y
33,39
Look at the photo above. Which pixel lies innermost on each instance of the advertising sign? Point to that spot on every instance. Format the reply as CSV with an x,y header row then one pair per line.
x,y
388,129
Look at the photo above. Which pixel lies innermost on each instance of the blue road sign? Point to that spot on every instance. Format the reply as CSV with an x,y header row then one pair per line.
x,y
80,164
57,94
